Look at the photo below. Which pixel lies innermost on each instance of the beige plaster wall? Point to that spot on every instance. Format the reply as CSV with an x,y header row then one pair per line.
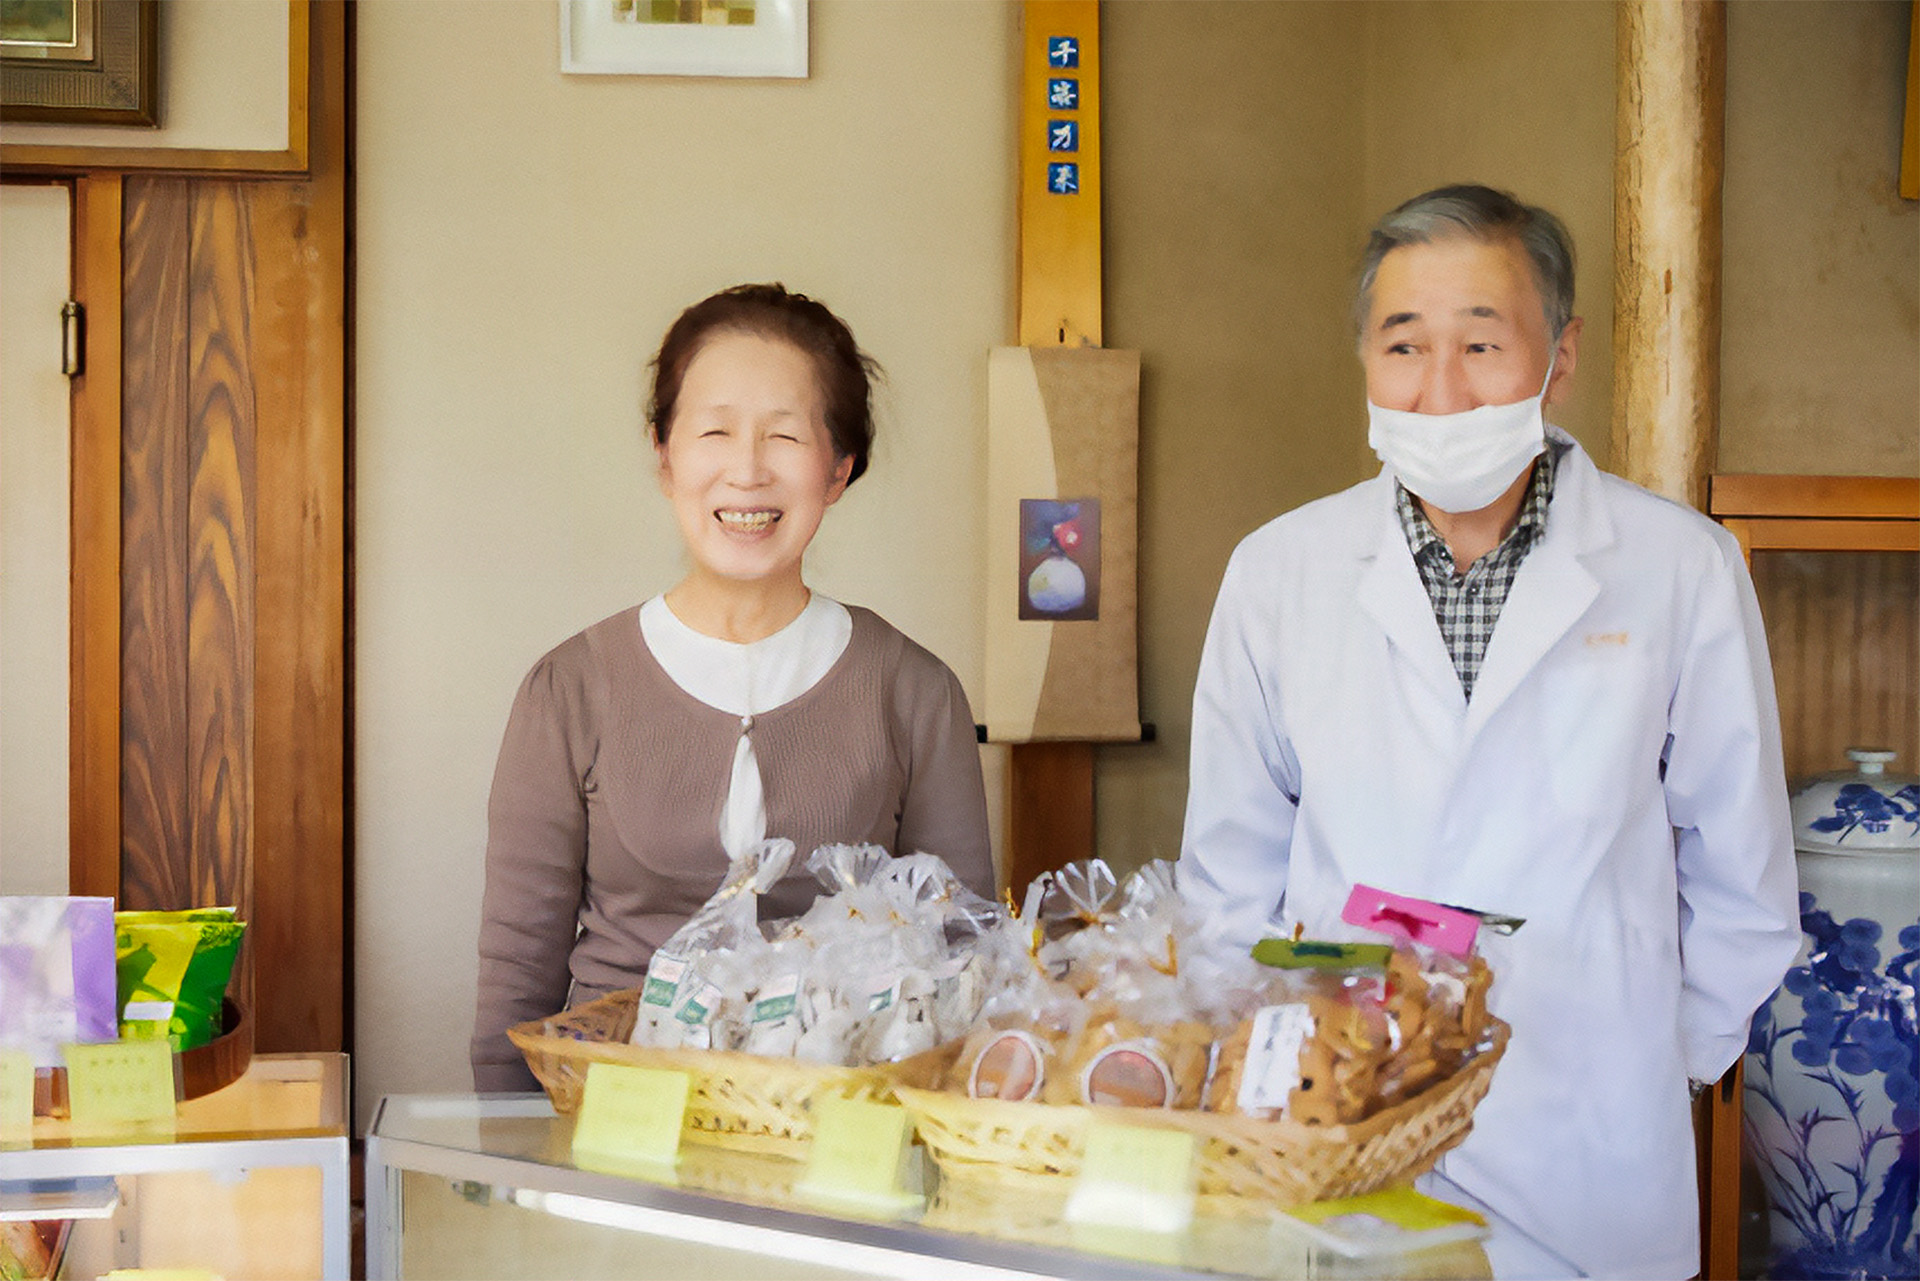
x,y
1249,147
1518,96
1820,346
524,238
1233,135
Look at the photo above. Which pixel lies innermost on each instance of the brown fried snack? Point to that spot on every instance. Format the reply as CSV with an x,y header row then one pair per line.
x,y
1414,1062
1339,1063
1229,1068
1463,1022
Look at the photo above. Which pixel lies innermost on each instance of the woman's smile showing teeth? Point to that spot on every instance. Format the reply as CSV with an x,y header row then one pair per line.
x,y
747,522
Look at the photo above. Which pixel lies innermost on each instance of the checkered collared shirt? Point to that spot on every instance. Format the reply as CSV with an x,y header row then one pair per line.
x,y
1468,605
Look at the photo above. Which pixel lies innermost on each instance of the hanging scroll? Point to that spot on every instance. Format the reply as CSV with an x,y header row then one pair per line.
x,y
1062,579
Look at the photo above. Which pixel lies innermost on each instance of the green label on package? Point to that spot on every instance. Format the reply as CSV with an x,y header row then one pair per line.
x,y
663,980
774,1007
1307,954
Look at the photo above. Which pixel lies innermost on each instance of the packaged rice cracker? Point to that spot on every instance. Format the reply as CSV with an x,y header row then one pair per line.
x,y
173,969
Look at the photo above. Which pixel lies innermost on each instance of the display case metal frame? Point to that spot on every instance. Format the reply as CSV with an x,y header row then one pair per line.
x,y
324,1147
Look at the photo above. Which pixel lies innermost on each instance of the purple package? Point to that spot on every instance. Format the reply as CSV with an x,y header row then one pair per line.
x,y
57,981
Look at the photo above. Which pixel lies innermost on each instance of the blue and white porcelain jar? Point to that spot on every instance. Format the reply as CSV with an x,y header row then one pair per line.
x,y
1833,1068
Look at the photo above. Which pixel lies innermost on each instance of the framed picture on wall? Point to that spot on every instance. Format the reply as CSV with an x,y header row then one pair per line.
x,y
761,38
80,61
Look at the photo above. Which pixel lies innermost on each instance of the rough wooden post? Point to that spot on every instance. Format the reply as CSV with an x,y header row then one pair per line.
x,y
1670,102
1670,111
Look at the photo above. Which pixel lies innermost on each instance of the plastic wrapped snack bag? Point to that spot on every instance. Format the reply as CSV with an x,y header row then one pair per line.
x,y
1014,1049
683,993
933,926
173,969
1313,1038
892,943
1069,912
860,979
1141,1043
773,1002
827,1024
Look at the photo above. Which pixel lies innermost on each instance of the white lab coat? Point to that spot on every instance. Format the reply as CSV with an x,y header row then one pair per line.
x,y
1616,781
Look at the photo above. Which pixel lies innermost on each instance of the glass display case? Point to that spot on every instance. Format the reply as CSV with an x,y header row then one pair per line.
x,y
252,1183
486,1185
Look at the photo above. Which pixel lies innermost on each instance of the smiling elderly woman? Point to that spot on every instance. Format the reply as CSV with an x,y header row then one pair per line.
x,y
645,751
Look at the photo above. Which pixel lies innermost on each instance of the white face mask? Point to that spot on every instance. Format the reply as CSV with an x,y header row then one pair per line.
x,y
1460,462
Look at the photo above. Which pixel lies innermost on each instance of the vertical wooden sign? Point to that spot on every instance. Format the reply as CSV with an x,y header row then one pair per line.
x,y
1060,300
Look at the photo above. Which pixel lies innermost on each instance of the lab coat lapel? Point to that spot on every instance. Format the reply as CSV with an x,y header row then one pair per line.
x,y
1551,591
1391,593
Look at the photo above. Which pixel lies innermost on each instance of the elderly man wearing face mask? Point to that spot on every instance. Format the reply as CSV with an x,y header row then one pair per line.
x,y
1496,677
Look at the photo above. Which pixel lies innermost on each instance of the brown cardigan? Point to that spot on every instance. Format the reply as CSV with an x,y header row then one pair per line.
x,y
603,828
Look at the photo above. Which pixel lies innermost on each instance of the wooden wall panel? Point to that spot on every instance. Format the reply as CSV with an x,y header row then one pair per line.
x,y
93,864
232,510
300,657
156,853
220,556
1844,631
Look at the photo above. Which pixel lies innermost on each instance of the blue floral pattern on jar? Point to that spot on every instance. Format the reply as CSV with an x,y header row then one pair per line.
x,y
1859,805
1842,1166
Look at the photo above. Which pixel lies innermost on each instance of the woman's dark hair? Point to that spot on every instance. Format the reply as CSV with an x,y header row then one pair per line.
x,y
845,373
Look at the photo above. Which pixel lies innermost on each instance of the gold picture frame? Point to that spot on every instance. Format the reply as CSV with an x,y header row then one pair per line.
x,y
80,62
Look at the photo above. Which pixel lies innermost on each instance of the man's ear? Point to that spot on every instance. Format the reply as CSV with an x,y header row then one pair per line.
x,y
1566,355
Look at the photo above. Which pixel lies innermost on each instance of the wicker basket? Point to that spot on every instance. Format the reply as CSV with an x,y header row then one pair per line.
x,y
1242,1161
745,1101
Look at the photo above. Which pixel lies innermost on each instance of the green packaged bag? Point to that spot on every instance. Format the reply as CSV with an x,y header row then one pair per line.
x,y
173,969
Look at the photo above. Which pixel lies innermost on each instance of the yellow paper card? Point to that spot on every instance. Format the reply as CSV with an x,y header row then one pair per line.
x,y
119,1086
16,1099
1402,1206
1392,1221
859,1156
1134,1177
630,1119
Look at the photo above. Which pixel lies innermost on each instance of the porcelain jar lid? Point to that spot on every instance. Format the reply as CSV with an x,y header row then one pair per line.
x,y
1864,810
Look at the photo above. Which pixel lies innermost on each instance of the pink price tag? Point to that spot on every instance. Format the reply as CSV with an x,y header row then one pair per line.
x,y
1415,919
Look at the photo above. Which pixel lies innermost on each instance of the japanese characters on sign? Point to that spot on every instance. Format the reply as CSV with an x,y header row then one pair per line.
x,y
1063,135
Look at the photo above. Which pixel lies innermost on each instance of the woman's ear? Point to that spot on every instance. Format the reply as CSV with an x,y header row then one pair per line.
x,y
662,473
841,478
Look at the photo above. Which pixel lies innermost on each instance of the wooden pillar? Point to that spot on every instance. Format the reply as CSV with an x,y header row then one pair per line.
x,y
1670,101
1670,112
1050,800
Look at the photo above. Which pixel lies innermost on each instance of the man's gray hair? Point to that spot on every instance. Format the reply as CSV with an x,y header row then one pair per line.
x,y
1485,215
